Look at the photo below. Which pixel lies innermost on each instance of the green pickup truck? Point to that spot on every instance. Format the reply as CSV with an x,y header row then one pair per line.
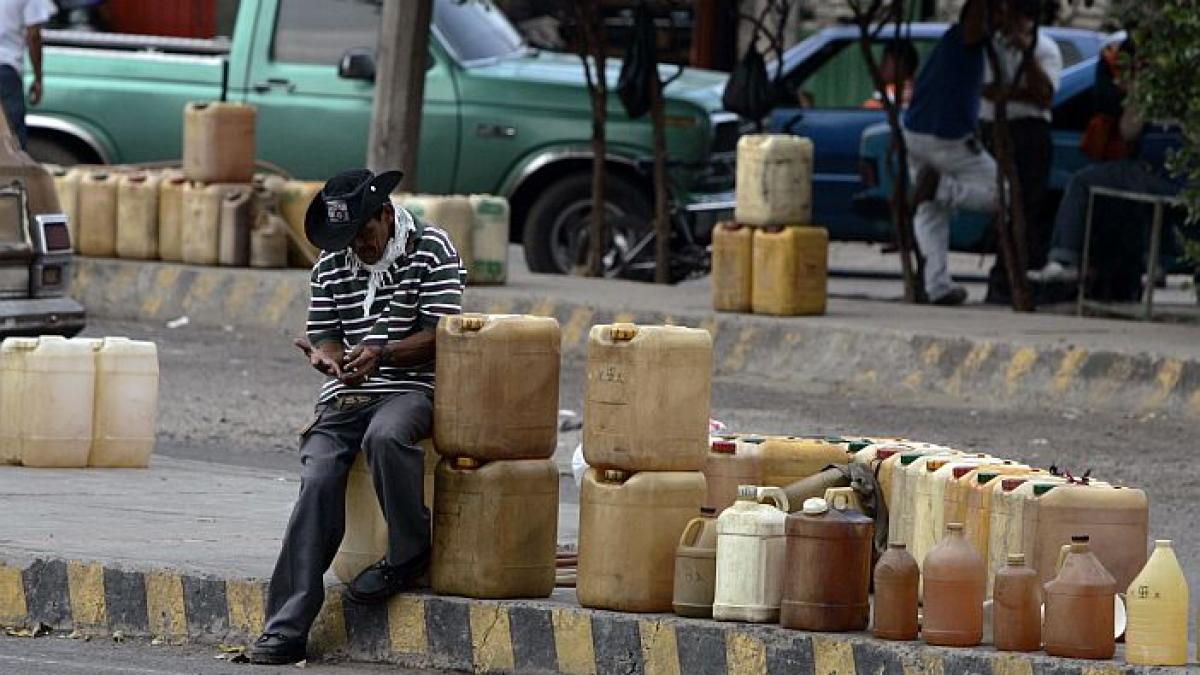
x,y
499,117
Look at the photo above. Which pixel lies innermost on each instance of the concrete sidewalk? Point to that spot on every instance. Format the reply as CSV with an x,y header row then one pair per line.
x,y
984,355
180,552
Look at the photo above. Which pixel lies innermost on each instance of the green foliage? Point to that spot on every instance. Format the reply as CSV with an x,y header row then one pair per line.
x,y
1167,34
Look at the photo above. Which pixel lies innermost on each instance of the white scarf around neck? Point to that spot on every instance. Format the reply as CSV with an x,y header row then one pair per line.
x,y
405,226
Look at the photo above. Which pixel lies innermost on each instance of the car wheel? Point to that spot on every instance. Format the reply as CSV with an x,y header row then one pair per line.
x,y
556,230
49,151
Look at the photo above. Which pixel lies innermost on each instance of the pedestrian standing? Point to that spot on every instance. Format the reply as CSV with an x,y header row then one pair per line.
x,y
952,169
20,29
383,281
1033,57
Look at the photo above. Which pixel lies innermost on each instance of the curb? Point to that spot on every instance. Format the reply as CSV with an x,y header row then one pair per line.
x,y
424,631
878,360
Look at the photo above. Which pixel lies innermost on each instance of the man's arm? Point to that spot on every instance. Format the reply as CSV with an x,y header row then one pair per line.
x,y
33,38
324,327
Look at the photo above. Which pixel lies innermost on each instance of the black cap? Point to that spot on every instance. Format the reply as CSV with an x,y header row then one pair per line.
x,y
343,206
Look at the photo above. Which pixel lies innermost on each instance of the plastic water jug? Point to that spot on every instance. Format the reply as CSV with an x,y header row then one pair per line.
x,y
495,528
137,216
732,271
268,241
901,520
60,375
827,585
897,578
787,459
98,214
365,540
954,578
294,200
1017,609
751,556
1116,520
731,463
170,216
980,487
790,270
963,478
219,142
1006,535
125,419
774,180
66,182
201,237
1079,607
452,213
497,393
1157,603
882,458
234,236
696,567
489,240
13,366
629,528
647,400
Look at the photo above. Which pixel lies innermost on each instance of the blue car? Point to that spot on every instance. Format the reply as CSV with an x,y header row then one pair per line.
x,y
826,73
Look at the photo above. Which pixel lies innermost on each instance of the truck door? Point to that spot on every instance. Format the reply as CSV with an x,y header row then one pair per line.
x,y
314,123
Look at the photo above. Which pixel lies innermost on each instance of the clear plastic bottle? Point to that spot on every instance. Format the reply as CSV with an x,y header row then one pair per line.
x,y
1157,604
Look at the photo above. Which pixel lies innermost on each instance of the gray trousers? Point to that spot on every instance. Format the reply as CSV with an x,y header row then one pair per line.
x,y
388,430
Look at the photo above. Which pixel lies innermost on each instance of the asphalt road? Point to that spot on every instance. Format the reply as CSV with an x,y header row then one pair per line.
x,y
56,655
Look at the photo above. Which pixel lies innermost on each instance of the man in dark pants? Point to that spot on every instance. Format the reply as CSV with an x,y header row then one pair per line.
x,y
1020,47
383,281
20,28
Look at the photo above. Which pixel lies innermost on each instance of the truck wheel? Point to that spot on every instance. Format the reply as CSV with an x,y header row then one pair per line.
x,y
557,226
50,151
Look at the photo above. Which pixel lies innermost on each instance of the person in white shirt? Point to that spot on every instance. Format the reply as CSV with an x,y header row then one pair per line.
x,y
20,29
1029,116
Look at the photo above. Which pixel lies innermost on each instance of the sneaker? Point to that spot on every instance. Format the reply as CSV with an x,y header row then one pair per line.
x,y
951,298
273,649
1054,273
379,582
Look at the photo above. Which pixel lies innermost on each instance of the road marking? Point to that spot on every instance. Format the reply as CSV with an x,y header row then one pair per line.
x,y
744,654
1022,362
329,630
736,360
573,641
660,649
1011,664
491,638
247,606
577,326
14,609
165,605
1068,370
974,360
406,625
85,585
1167,379
832,657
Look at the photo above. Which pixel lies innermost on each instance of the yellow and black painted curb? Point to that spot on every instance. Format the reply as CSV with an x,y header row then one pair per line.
x,y
857,358
518,636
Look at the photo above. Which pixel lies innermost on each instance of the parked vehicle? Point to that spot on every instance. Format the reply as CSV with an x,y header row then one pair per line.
x,y
827,71
499,117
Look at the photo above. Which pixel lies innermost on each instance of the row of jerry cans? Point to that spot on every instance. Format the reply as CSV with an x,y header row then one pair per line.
x,y
477,224
78,402
1007,508
495,526
781,271
147,215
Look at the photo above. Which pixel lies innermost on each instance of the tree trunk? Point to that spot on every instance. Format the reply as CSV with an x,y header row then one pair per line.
x,y
400,88
662,216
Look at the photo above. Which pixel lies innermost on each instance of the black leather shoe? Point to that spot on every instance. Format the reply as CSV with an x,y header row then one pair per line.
x,y
381,581
273,649
952,298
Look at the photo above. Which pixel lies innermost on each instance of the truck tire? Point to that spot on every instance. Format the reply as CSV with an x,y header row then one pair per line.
x,y
49,150
557,224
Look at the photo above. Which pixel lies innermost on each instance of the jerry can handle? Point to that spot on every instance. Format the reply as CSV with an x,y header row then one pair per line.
x,y
472,322
691,532
1062,557
776,495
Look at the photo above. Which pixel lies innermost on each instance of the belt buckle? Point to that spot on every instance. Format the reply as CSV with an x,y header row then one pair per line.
x,y
352,401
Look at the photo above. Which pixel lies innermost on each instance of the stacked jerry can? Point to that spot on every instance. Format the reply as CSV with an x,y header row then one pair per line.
x,y
645,438
771,260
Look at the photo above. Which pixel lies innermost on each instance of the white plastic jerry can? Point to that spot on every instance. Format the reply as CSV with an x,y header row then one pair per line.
x,y
126,403
58,403
751,553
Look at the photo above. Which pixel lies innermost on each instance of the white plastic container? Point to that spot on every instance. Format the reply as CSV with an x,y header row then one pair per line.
x,y
137,216
751,553
125,419
489,240
451,213
774,180
13,356
60,377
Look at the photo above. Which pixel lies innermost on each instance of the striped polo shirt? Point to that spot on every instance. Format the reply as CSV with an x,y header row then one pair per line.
x,y
417,290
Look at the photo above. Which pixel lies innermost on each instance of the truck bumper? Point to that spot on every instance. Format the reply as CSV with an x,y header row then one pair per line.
x,y
45,316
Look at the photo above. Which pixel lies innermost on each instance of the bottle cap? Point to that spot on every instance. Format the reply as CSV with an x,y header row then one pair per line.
x,y
472,322
747,493
962,470
954,527
1039,490
615,476
885,453
724,447
985,477
1016,559
815,506
466,463
1011,484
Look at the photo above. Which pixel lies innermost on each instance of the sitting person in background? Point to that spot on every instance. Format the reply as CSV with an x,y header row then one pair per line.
x,y
899,65
1135,162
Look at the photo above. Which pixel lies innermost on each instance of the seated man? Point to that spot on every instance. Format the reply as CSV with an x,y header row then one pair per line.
x,y
382,282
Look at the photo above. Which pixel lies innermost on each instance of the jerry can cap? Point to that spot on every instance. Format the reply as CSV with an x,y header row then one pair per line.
x,y
935,464
472,322
467,463
1041,489
615,476
815,506
962,470
885,453
907,459
1010,484
725,447
622,332
954,527
985,477
1016,559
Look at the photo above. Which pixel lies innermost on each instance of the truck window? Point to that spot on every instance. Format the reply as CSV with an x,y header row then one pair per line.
x,y
475,30
319,32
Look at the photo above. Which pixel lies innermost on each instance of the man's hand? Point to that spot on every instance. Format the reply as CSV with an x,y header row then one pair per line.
x,y
324,363
35,92
360,363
